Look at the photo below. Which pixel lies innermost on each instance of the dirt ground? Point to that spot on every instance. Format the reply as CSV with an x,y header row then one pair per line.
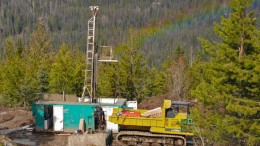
x,y
12,119
15,117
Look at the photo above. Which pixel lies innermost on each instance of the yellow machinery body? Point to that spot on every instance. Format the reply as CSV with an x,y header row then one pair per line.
x,y
161,124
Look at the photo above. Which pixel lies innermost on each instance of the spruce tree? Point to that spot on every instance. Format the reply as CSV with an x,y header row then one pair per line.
x,y
61,73
38,58
228,92
107,80
154,84
132,68
43,78
15,88
38,55
78,72
67,72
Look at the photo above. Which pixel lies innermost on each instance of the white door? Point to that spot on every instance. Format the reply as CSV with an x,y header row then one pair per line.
x,y
58,118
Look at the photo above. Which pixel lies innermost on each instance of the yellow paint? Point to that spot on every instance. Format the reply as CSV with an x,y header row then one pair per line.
x,y
157,125
171,131
167,104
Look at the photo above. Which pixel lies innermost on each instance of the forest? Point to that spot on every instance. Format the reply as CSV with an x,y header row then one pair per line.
x,y
195,50
169,22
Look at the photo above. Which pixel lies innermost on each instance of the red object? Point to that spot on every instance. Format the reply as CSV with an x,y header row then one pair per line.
x,y
126,113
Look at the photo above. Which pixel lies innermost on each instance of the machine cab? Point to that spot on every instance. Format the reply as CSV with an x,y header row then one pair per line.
x,y
178,107
177,114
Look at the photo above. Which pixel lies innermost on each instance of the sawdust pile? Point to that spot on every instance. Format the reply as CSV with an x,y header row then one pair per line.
x,y
154,102
157,101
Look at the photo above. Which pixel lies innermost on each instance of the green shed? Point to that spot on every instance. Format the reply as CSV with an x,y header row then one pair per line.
x,y
66,115
63,116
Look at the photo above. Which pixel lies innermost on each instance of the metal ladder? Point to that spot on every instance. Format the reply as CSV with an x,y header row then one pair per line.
x,y
89,76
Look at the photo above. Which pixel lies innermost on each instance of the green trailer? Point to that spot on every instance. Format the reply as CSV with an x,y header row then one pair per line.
x,y
62,116
65,116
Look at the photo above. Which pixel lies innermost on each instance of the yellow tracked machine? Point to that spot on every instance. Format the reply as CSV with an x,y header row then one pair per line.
x,y
160,126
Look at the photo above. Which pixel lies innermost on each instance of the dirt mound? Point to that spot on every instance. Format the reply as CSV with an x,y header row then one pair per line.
x,y
15,117
6,141
6,117
154,102
157,101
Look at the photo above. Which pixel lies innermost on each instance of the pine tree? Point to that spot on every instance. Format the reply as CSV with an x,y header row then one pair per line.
x,y
15,89
132,68
154,84
38,55
43,78
228,91
78,73
6,73
108,80
20,47
61,73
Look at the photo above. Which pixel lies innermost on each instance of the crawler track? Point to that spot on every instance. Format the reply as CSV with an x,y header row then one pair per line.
x,y
126,138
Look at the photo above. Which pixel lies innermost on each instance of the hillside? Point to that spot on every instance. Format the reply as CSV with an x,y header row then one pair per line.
x,y
206,52
174,22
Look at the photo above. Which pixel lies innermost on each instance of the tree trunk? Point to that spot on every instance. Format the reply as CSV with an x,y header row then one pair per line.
x,y
63,95
242,42
200,136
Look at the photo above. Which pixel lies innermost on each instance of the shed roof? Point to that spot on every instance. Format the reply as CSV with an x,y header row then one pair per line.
x,y
100,101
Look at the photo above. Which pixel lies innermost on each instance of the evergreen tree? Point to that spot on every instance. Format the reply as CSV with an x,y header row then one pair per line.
x,y
78,73
5,76
38,58
108,80
20,47
14,85
61,73
154,84
43,79
132,69
229,87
